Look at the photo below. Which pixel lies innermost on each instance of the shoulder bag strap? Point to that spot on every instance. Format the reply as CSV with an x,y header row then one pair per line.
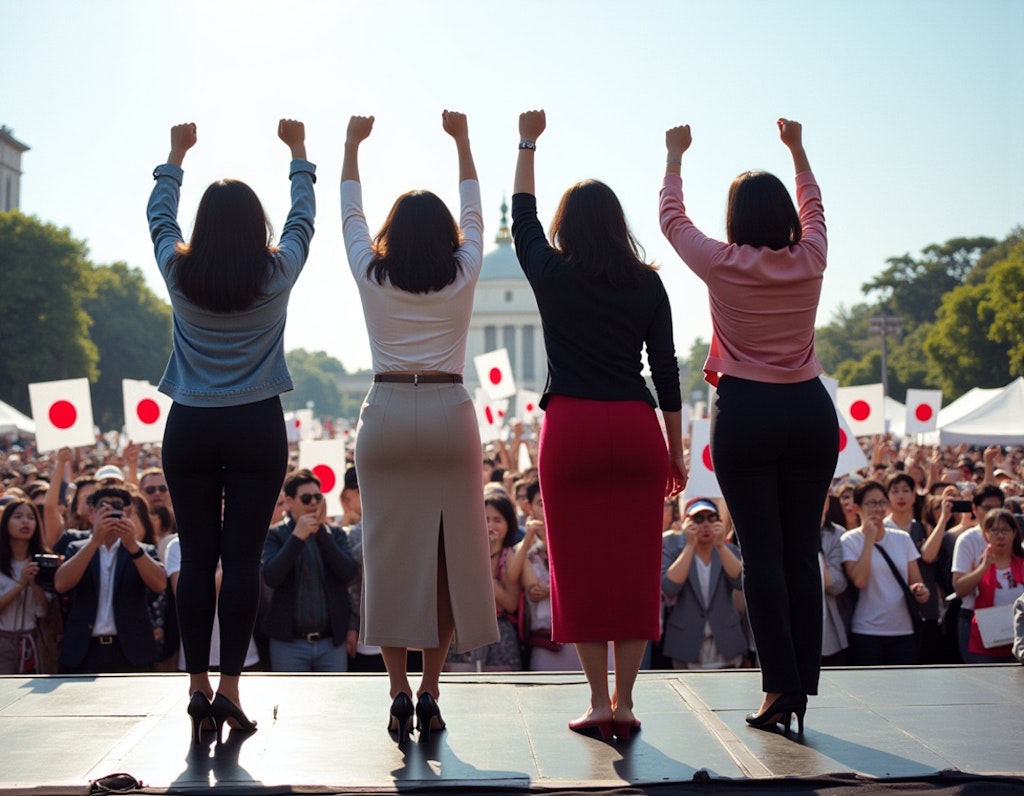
x,y
908,595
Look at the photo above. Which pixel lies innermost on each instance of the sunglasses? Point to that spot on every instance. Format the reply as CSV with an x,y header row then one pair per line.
x,y
310,498
700,519
152,490
116,505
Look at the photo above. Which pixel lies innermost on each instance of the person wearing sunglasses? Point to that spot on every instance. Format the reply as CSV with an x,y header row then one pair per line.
x,y
702,571
308,563
153,485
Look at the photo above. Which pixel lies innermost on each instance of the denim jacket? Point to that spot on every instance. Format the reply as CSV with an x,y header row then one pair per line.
x,y
233,358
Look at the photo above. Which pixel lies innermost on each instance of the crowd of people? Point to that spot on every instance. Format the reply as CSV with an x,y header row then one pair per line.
x,y
109,516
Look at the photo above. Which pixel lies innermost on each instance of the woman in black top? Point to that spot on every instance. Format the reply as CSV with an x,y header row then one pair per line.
x,y
600,306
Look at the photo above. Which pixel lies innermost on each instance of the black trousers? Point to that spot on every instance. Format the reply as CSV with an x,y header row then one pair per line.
x,y
774,449
224,468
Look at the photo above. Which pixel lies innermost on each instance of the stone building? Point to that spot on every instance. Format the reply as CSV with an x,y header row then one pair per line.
x,y
10,169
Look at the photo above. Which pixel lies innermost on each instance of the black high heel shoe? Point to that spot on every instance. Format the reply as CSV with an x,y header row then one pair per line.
x,y
781,710
400,720
223,711
199,712
428,716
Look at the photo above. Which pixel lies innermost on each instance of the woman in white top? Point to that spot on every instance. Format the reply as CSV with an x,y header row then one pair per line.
x,y
426,571
22,599
882,629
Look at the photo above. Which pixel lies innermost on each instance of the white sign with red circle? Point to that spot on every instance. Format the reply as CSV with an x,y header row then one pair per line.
x,y
145,411
923,410
488,417
863,407
494,371
702,481
300,425
326,458
528,406
63,414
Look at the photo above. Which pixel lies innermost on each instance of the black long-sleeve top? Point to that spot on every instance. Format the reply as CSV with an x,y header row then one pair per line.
x,y
594,333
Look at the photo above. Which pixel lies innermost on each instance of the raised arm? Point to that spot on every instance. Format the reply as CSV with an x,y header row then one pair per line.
x,y
183,138
359,128
531,125
791,134
455,124
677,141
293,133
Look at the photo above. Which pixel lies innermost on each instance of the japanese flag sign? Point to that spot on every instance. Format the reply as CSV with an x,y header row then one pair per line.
x,y
326,459
851,457
494,371
863,407
702,481
145,411
62,411
923,410
299,424
487,417
528,406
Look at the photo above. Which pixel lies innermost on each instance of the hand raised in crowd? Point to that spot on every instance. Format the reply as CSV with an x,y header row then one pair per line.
x,y
359,129
718,528
532,124
308,524
992,453
455,124
28,574
678,140
130,454
690,531
183,138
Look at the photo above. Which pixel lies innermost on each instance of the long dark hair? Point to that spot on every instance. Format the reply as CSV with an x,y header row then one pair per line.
x,y
227,263
761,212
504,507
36,544
415,249
590,231
142,512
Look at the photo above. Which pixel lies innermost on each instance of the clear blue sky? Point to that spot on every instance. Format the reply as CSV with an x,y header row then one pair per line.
x,y
913,116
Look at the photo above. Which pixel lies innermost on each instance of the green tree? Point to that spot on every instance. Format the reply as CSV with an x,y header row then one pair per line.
x,y
695,367
316,379
131,327
913,289
1005,305
44,332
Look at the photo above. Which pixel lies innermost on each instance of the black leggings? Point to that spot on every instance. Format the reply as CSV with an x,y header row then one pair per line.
x,y
237,454
774,449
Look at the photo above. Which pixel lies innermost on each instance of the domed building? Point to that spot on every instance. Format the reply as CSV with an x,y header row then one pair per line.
x,y
505,315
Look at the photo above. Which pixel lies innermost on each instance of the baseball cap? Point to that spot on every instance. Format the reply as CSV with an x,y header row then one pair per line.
x,y
110,472
699,505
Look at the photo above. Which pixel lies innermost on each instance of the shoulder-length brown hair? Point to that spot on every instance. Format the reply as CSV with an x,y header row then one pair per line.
x,y
36,545
590,231
226,265
761,212
415,248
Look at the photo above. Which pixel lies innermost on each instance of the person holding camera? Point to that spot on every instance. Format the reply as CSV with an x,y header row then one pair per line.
x,y
108,628
25,564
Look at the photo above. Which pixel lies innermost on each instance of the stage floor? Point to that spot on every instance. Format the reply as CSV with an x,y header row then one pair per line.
x,y
326,733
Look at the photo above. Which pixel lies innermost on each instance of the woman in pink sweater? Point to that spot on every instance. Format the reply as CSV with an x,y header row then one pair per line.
x,y
774,438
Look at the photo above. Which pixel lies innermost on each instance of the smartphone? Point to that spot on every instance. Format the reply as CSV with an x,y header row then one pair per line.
x,y
963,506
115,514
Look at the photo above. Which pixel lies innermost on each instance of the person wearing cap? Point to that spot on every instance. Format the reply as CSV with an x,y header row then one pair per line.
x,y
701,571
110,474
308,564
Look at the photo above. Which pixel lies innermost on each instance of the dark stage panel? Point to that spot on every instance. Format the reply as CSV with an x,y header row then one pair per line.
x,y
507,733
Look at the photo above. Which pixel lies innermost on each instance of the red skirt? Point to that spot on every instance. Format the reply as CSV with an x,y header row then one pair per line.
x,y
603,467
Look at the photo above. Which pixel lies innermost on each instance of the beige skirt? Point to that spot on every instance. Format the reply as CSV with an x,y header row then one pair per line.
x,y
418,456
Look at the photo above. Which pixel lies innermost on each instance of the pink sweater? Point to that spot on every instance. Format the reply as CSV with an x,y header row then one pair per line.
x,y
763,302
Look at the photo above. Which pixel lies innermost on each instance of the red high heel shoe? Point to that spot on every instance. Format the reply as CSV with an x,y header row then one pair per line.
x,y
595,728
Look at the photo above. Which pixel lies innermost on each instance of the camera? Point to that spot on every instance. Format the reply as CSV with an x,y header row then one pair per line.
x,y
962,507
48,563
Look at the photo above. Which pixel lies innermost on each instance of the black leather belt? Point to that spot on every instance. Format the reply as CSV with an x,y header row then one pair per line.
x,y
105,641
419,378
314,636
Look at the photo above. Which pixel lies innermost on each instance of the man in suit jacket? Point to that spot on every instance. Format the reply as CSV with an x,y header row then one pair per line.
x,y
308,564
701,571
108,628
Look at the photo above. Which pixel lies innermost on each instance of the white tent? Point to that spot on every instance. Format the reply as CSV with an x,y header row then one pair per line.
x,y
895,417
14,422
999,420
